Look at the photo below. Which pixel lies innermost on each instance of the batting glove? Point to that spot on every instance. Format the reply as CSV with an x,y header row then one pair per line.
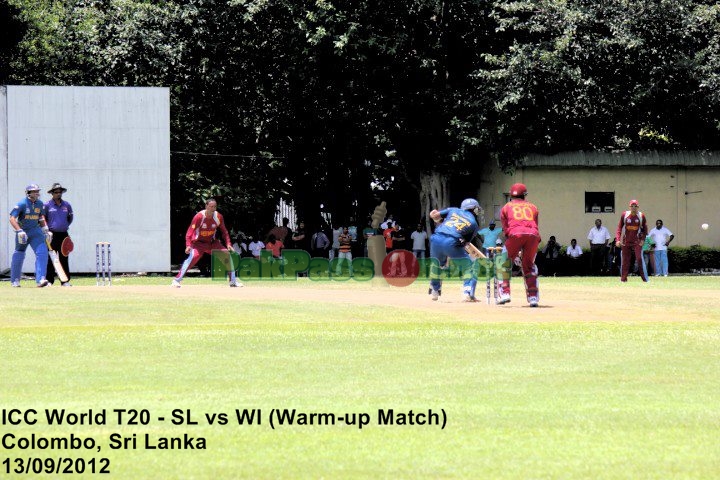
x,y
48,234
21,237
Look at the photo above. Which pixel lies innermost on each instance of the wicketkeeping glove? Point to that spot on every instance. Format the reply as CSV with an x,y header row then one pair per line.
x,y
21,237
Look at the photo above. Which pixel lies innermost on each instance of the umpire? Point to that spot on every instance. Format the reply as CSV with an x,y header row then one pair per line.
x,y
59,216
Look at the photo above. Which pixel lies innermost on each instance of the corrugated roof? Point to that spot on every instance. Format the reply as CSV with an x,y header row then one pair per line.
x,y
624,159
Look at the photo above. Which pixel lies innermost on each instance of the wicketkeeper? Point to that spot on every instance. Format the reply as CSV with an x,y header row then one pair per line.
x,y
520,222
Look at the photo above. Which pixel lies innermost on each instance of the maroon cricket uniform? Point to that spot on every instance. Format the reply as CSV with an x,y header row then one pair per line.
x,y
631,232
519,220
200,237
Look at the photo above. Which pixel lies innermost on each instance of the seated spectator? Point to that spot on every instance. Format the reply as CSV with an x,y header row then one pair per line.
x,y
241,246
255,246
574,253
274,245
550,255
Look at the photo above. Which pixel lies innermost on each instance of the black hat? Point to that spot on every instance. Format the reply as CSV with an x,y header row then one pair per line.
x,y
57,186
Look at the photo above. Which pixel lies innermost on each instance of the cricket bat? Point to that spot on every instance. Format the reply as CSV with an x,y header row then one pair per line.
x,y
56,263
473,251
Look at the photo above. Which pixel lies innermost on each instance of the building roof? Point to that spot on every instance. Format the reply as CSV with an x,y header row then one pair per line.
x,y
623,159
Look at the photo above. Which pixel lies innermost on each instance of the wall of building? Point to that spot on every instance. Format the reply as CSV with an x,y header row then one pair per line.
x,y
661,192
110,147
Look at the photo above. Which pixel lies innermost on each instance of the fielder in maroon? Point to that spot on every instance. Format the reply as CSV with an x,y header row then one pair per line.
x,y
630,236
519,220
200,239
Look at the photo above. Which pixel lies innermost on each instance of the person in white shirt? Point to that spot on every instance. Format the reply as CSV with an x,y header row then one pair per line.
x,y
387,222
599,236
419,239
574,252
662,237
255,247
240,246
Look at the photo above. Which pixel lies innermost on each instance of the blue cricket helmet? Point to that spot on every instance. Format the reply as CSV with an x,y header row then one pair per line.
x,y
469,204
472,205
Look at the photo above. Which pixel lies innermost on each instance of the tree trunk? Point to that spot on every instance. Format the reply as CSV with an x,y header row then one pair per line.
x,y
434,194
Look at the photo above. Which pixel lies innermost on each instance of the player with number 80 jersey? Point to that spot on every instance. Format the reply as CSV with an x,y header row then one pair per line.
x,y
520,222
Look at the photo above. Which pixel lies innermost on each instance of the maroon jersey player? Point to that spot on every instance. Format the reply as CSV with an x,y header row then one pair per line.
x,y
630,235
520,223
200,239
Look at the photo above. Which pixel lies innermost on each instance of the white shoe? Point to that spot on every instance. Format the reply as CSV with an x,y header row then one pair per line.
x,y
533,301
66,284
15,284
435,294
43,283
236,283
469,298
175,284
503,299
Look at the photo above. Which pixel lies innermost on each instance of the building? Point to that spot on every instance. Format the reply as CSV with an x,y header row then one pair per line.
x,y
573,189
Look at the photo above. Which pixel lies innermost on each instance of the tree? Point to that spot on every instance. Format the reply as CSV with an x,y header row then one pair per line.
x,y
593,75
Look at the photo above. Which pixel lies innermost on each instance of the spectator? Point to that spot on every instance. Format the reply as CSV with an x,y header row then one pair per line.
x,y
398,238
275,246
368,232
599,236
353,231
387,234
281,233
613,259
574,254
59,216
419,239
335,243
240,245
255,247
648,253
551,253
662,237
300,238
345,252
388,222
489,235
319,243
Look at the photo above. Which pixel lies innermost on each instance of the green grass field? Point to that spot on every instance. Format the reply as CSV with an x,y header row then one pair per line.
x,y
606,381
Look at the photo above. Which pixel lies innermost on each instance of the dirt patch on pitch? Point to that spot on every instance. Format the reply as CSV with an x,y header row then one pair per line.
x,y
553,307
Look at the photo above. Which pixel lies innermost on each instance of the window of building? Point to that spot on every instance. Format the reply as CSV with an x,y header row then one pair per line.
x,y
599,202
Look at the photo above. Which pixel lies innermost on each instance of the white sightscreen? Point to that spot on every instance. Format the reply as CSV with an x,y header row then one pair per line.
x,y
110,147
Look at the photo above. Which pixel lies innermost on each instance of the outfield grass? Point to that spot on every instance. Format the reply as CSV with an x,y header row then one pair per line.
x,y
631,392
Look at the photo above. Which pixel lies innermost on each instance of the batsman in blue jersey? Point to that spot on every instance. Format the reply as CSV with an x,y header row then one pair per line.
x,y
28,221
455,228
